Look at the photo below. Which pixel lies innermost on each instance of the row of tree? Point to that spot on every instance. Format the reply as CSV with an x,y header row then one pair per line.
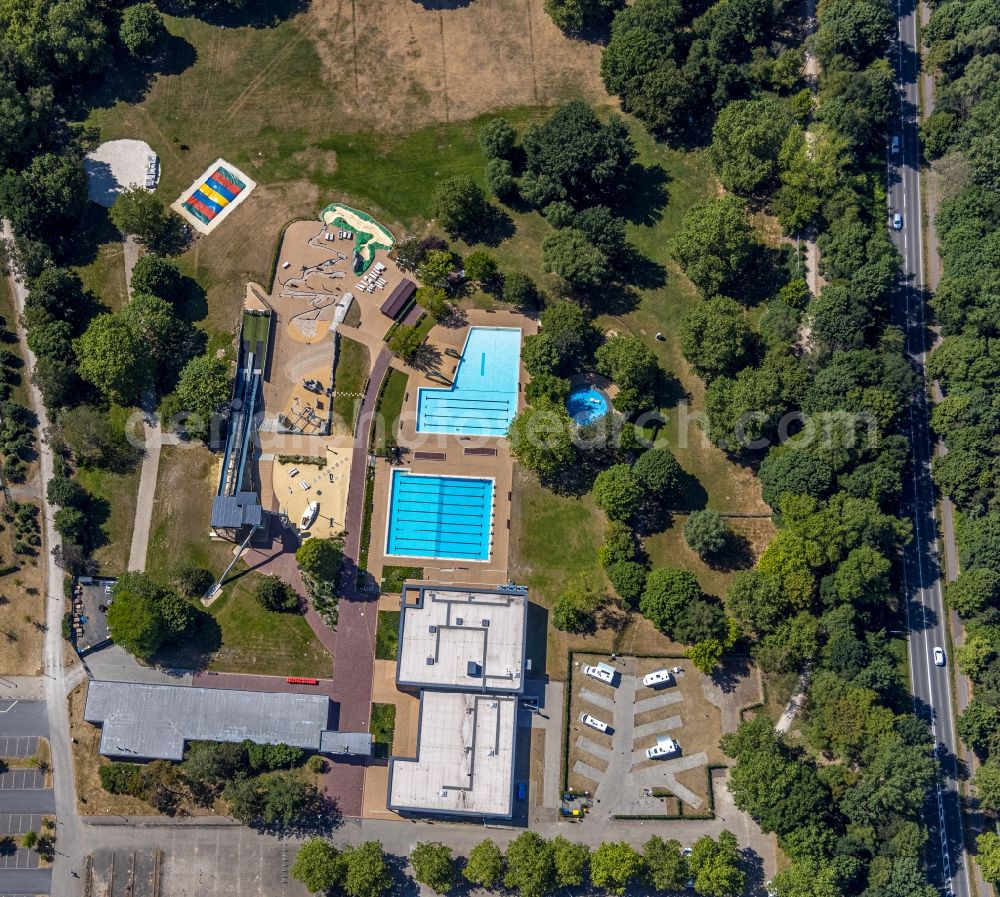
x,y
531,866
814,399
962,137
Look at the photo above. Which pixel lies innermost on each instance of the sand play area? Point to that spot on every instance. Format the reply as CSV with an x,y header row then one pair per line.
x,y
369,235
299,485
118,164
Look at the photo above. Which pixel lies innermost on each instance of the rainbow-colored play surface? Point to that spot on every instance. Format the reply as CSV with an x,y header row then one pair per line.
x,y
216,193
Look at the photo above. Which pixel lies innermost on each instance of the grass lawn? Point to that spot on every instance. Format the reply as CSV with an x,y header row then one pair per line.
x,y
353,367
117,491
100,258
383,727
390,406
250,639
387,635
394,577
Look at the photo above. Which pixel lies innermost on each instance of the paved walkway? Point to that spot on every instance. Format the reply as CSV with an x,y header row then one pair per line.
x,y
146,494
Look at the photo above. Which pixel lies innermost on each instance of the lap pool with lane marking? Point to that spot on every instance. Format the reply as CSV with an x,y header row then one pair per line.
x,y
482,401
439,517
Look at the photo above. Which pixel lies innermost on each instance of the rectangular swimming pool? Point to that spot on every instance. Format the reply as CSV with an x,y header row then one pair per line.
x,y
439,517
482,401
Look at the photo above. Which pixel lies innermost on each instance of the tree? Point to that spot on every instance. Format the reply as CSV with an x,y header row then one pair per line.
x,y
716,339
577,603
981,543
757,601
436,268
245,798
113,356
715,866
72,524
519,290
540,438
617,491
973,591
284,798
168,340
706,532
202,393
988,855
568,254
485,865
570,861
715,245
432,300
405,342
155,275
658,472
530,865
318,865
986,783
574,155
272,593
566,339
93,439
575,15
667,595
29,839
460,205
497,138
433,866
135,624
746,141
140,213
547,386
798,468
628,578
666,866
500,180
631,364
481,268
141,29
977,724
614,866
66,492
56,293
856,29
320,559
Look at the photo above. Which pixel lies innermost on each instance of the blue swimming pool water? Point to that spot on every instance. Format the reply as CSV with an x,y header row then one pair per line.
x,y
482,400
439,517
586,405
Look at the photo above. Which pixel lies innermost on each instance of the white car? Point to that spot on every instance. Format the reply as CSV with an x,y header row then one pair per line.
x,y
658,677
897,221
594,723
664,747
939,656
602,672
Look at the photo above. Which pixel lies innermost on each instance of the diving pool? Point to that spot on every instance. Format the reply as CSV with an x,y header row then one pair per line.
x,y
439,517
586,404
482,401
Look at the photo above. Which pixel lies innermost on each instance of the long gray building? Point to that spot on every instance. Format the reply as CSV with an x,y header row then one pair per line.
x,y
153,722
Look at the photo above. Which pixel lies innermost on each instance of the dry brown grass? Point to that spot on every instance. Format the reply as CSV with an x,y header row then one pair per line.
x,y
399,64
22,615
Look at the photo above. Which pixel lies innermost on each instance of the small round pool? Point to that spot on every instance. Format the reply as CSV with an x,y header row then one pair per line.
x,y
586,404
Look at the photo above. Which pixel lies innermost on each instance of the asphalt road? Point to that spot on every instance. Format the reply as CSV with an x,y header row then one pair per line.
x,y
921,568
22,718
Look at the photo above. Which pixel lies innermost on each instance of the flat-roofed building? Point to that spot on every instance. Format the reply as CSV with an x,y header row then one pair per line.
x,y
463,640
141,721
465,757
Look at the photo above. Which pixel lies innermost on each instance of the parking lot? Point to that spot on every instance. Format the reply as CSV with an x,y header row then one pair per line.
x,y
18,746
613,766
24,797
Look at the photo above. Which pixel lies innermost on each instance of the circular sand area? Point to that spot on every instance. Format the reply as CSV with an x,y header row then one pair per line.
x,y
115,165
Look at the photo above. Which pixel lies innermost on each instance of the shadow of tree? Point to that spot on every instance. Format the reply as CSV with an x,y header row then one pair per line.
x,y
737,554
643,195
253,14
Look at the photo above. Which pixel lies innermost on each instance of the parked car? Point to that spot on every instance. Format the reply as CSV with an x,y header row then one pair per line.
x,y
897,221
664,747
602,672
939,656
658,677
522,791
594,723
313,385
895,145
